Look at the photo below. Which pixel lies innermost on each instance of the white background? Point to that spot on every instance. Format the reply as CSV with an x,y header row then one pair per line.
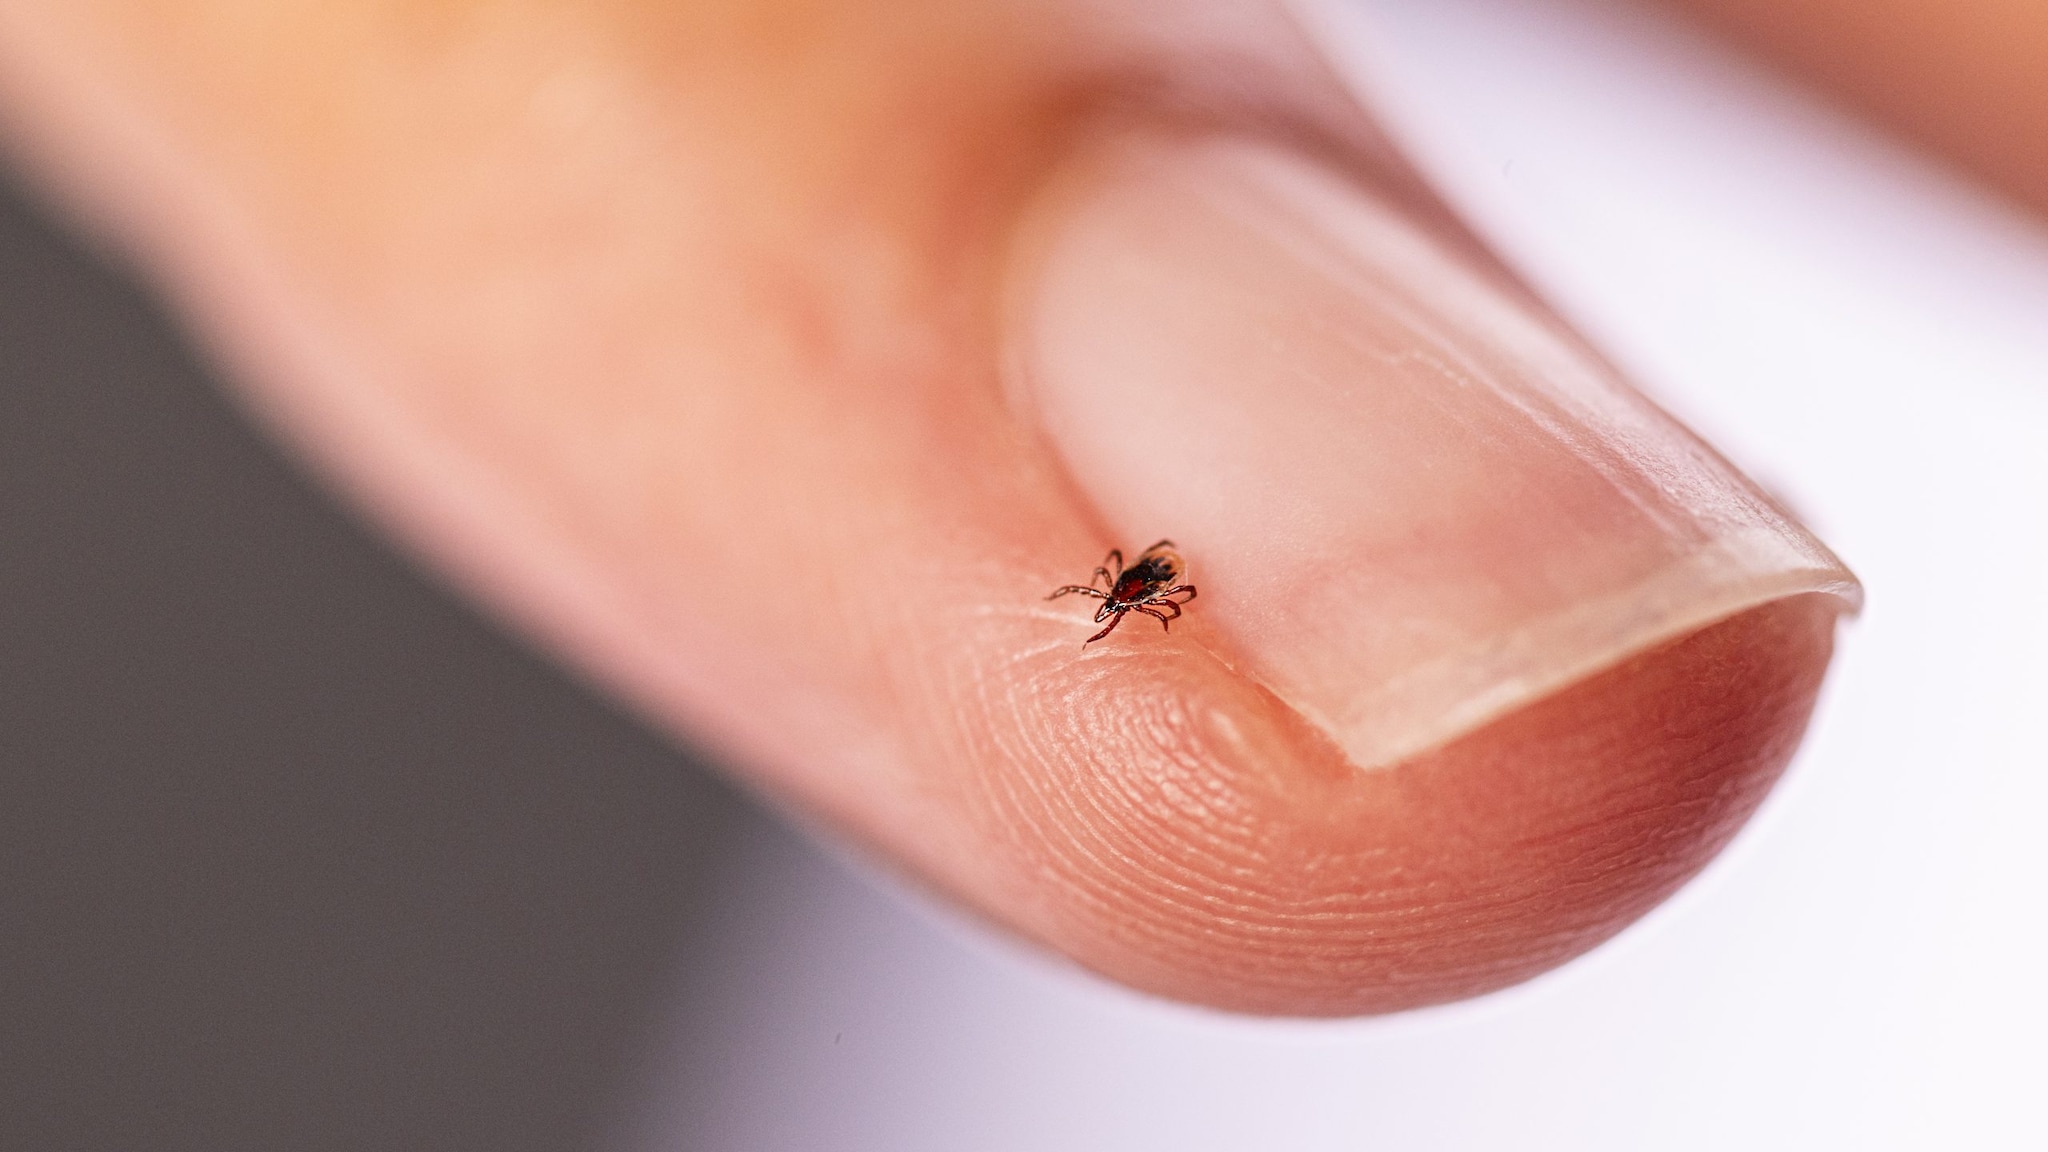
x,y
1863,969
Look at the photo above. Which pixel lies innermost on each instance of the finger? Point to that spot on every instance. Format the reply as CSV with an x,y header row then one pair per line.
x,y
642,319
1968,78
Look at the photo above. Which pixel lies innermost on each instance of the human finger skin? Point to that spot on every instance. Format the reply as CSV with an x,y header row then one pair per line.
x,y
773,362
1967,77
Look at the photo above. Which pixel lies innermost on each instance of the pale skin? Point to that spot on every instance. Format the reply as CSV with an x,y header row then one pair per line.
x,y
668,330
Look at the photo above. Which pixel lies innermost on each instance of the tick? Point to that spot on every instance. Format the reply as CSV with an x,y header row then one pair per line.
x,y
1148,585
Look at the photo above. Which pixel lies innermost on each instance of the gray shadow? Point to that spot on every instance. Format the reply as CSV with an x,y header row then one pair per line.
x,y
295,851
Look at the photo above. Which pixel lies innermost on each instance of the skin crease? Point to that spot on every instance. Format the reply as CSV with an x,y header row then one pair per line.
x,y
669,330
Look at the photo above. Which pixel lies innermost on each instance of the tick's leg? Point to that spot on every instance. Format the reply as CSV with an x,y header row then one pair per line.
x,y
1111,565
1187,588
1077,588
1153,607
1158,546
1113,622
1165,621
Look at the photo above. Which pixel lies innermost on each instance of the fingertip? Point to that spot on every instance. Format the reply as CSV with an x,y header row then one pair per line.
x,y
1146,805
1193,838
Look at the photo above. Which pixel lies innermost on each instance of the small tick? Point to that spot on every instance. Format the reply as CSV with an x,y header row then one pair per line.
x,y
1147,586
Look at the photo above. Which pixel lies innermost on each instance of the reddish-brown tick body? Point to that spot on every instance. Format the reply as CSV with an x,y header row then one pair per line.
x,y
1149,585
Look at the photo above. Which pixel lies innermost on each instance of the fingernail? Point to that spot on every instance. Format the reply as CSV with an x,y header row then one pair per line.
x,y
1411,500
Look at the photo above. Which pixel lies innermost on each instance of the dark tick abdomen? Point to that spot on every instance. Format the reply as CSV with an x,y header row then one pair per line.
x,y
1144,576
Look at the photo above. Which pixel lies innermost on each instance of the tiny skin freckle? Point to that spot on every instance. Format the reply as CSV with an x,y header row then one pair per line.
x,y
1149,585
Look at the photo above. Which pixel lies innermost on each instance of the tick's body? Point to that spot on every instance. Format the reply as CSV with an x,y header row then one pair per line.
x,y
1147,586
